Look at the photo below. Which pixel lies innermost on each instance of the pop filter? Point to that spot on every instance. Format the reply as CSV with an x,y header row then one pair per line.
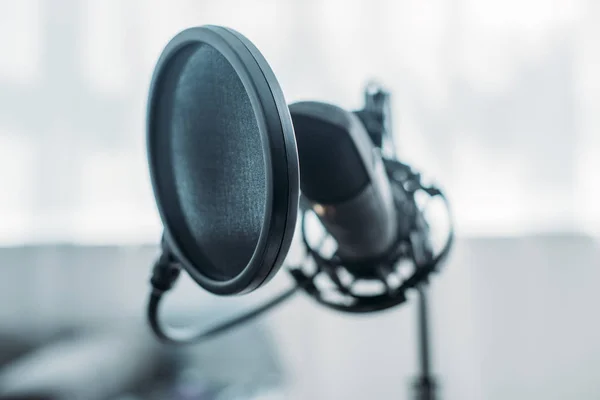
x,y
223,160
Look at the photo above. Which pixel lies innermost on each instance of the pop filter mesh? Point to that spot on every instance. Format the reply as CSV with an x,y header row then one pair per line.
x,y
210,161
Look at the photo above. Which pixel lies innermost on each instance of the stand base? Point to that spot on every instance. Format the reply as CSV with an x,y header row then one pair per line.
x,y
425,389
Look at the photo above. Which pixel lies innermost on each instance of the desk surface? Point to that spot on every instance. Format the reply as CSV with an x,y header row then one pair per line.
x,y
513,318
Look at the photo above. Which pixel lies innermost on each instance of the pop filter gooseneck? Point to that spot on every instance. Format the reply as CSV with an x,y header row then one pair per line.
x,y
166,272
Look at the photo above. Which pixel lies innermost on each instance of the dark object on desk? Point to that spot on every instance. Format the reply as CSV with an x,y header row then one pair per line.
x,y
120,358
86,366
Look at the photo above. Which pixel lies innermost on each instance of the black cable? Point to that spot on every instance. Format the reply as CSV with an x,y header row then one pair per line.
x,y
189,335
164,276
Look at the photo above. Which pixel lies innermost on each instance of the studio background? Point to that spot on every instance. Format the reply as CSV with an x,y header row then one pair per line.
x,y
495,100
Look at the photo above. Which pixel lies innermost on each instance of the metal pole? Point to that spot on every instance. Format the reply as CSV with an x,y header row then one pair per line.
x,y
425,384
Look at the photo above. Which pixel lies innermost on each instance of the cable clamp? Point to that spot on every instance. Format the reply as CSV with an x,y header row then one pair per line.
x,y
164,273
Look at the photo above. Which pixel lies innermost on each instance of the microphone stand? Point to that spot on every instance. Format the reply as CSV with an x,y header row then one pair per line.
x,y
376,117
425,385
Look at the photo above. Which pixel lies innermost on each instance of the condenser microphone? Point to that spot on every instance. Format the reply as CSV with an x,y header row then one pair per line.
x,y
342,174
228,161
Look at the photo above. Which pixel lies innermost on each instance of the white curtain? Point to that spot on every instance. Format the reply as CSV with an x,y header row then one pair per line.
x,y
496,100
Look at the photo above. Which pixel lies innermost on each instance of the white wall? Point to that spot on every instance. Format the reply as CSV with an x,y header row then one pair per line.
x,y
495,99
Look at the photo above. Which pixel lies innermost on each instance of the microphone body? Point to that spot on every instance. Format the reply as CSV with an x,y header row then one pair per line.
x,y
343,177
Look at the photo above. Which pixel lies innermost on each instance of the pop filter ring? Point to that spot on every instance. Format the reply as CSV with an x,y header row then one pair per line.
x,y
279,151
399,174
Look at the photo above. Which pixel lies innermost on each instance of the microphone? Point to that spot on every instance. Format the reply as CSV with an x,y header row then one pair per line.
x,y
232,167
368,205
343,176
366,202
228,159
